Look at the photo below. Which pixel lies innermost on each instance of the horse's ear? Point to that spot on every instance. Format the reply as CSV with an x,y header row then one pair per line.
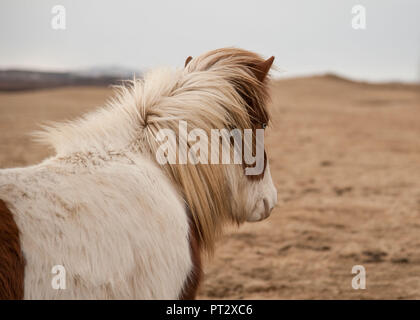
x,y
261,69
187,61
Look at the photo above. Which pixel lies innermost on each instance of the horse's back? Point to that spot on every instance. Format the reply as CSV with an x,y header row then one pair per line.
x,y
119,229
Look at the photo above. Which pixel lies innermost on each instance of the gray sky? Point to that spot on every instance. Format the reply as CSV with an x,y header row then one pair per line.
x,y
305,36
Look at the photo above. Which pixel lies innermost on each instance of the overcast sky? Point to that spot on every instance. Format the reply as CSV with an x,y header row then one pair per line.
x,y
306,37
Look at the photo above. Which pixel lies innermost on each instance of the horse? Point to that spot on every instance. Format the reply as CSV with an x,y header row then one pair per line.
x,y
121,225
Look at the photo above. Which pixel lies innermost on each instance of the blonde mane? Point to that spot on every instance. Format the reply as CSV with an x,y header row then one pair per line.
x,y
214,91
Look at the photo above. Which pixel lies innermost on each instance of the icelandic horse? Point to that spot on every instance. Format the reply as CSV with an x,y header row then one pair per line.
x,y
122,225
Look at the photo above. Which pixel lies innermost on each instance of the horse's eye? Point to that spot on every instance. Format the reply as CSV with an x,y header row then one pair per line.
x,y
264,125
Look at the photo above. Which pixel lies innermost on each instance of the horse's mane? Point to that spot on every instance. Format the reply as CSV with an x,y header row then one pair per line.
x,y
214,91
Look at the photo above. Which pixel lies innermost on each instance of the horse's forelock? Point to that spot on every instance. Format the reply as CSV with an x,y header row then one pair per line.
x,y
242,69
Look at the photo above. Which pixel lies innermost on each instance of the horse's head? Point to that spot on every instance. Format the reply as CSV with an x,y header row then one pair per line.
x,y
254,194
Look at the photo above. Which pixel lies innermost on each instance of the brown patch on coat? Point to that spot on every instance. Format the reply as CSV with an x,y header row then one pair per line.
x,y
12,262
192,283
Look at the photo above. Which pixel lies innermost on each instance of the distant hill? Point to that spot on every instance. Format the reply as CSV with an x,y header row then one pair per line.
x,y
15,80
108,71
20,79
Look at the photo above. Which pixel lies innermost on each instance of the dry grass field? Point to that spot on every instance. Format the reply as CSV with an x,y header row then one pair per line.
x,y
345,157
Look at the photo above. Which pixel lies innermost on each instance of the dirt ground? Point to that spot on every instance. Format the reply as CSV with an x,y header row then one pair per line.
x,y
345,157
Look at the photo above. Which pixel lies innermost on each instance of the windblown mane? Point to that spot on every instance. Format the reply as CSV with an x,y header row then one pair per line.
x,y
217,90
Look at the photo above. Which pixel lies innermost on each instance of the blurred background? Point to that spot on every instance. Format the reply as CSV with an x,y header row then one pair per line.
x,y
343,144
